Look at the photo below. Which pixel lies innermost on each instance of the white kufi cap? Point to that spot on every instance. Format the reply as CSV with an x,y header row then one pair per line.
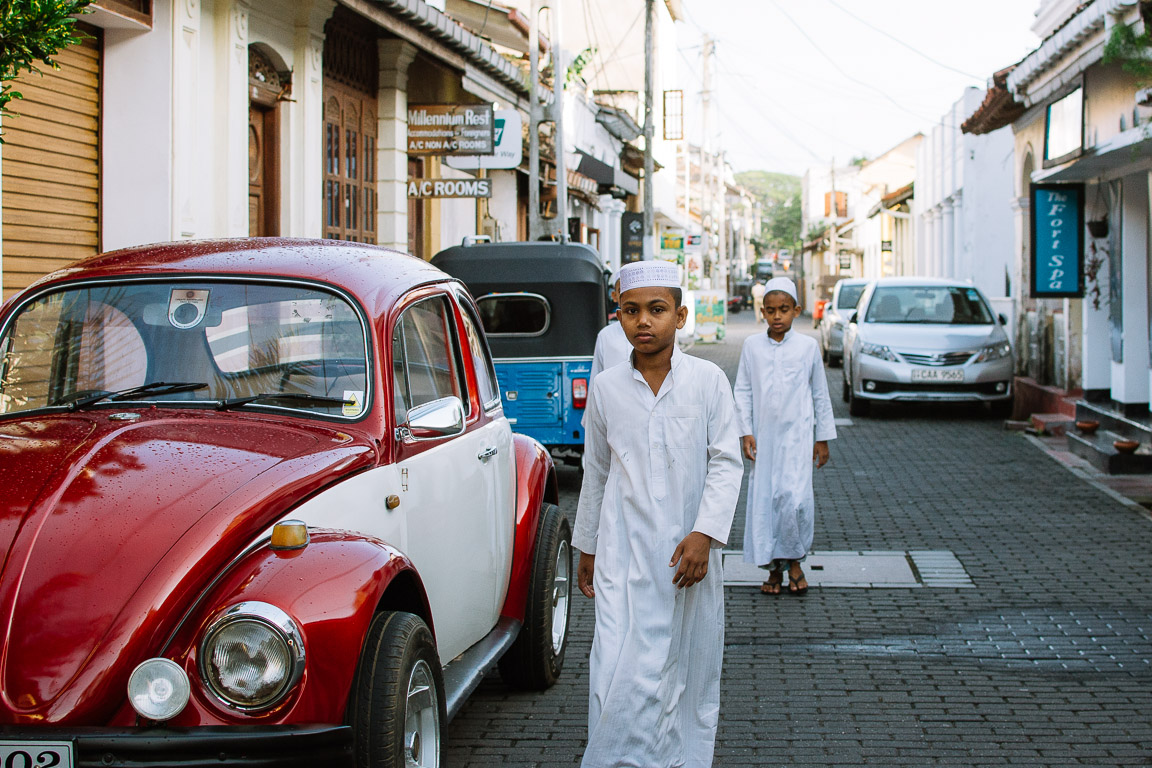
x,y
783,284
649,274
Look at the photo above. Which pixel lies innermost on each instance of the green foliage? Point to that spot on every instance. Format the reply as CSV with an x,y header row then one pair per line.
x,y
779,195
1131,52
576,68
32,32
859,161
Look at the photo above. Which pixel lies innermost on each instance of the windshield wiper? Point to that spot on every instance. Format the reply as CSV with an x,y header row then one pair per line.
x,y
144,390
301,397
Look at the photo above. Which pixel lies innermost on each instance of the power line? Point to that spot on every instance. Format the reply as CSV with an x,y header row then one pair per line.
x,y
914,50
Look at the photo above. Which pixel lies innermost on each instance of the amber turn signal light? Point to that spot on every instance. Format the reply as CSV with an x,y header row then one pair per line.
x,y
289,534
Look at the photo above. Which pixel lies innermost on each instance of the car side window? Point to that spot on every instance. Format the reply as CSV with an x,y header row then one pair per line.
x,y
425,358
481,359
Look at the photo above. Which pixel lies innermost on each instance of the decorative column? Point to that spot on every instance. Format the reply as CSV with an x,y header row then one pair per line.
x,y
188,128
392,144
230,188
960,268
947,241
305,180
1130,377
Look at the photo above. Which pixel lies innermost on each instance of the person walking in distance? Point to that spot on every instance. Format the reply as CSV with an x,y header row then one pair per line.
x,y
758,300
786,422
661,481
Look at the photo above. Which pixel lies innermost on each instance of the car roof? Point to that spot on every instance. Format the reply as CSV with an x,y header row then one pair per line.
x,y
374,275
922,281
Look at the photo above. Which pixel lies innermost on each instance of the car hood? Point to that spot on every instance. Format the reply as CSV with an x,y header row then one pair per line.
x,y
931,337
111,529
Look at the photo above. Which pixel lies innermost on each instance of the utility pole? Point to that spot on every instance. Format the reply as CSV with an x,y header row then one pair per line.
x,y
537,227
706,219
649,128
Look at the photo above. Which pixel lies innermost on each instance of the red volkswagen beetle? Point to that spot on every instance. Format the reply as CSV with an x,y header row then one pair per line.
x,y
260,504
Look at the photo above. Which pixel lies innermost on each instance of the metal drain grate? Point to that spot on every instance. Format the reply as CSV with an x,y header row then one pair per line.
x,y
867,569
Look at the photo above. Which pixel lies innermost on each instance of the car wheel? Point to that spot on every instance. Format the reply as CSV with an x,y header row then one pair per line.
x,y
536,657
835,361
846,389
397,711
824,354
1001,409
857,406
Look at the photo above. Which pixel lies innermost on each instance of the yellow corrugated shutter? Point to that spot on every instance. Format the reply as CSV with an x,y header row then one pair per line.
x,y
51,165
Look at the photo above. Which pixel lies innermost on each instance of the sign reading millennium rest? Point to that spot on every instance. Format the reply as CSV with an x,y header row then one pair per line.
x,y
451,129
1057,241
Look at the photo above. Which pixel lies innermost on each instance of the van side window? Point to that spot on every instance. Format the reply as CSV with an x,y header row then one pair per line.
x,y
425,358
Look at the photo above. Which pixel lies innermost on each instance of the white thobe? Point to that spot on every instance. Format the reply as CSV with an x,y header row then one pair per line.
x,y
612,348
782,399
656,467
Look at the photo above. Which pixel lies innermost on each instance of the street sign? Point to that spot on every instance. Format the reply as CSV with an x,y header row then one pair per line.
x,y
631,237
424,188
509,145
1057,266
451,129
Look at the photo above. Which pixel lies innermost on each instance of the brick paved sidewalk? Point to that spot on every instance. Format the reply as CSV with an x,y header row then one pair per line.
x,y
1048,662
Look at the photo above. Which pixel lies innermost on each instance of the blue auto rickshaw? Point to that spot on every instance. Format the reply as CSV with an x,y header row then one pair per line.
x,y
542,305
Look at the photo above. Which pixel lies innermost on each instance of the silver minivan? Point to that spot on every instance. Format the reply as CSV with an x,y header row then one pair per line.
x,y
926,339
844,297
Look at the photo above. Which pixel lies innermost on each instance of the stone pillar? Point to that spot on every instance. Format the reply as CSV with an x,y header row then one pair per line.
x,y
304,182
1130,377
392,144
961,268
231,186
189,129
948,241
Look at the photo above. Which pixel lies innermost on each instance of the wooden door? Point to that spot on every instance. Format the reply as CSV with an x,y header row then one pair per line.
x,y
263,197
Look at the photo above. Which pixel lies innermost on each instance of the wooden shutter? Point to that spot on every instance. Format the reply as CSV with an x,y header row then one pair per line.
x,y
51,165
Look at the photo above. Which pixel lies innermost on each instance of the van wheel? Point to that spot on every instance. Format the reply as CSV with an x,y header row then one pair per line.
x,y
397,711
536,657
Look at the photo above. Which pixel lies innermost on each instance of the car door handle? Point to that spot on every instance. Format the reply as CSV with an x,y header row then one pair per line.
x,y
487,453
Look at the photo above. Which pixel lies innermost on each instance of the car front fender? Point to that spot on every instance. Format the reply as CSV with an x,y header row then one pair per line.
x,y
331,588
535,484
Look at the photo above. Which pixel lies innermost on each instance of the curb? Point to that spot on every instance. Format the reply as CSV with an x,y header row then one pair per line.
x,y
1088,478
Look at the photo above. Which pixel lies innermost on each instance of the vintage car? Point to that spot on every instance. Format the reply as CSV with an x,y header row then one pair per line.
x,y
261,505
542,304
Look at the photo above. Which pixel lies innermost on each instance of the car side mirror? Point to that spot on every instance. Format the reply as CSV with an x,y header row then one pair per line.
x,y
852,319
436,419
1003,320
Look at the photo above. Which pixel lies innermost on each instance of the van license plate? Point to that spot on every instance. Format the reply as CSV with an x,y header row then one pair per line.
x,y
36,754
950,375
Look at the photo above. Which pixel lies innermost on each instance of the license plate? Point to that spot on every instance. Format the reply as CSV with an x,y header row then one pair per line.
x,y
36,754
951,375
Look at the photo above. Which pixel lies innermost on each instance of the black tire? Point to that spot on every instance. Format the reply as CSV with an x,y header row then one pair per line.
x,y
824,354
1001,409
857,406
399,659
835,361
536,658
846,389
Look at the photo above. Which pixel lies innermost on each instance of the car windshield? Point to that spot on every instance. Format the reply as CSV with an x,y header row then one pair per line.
x,y
186,342
943,304
849,296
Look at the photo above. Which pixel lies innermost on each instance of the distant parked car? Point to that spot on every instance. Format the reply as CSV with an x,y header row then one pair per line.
x,y
262,506
836,313
926,339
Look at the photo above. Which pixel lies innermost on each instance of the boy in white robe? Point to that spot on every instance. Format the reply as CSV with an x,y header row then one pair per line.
x,y
661,481
785,422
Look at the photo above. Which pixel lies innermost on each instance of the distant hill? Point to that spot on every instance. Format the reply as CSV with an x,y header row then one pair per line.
x,y
779,195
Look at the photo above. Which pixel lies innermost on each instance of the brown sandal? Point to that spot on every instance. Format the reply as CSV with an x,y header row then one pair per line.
x,y
772,585
794,584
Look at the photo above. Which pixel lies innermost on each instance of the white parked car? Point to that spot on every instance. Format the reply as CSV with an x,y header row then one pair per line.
x,y
845,296
926,339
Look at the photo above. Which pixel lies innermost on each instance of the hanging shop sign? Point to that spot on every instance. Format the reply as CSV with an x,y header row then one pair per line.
x,y
509,152
423,188
1057,241
631,237
672,247
451,129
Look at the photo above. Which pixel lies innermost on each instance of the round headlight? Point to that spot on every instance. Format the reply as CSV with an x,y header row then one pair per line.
x,y
158,689
252,656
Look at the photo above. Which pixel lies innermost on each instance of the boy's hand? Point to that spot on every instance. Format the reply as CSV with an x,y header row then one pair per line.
x,y
820,453
749,443
692,555
584,572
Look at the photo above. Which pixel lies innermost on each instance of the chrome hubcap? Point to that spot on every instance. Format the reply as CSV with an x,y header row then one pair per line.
x,y
421,719
561,589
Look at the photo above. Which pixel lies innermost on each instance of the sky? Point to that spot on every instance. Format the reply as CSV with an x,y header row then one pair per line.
x,y
800,83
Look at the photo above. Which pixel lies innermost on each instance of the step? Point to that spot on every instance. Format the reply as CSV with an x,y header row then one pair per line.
x,y
1113,421
1098,450
1052,424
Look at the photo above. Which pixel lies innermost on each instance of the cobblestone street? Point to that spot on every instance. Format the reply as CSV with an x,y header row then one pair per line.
x,y
1046,662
